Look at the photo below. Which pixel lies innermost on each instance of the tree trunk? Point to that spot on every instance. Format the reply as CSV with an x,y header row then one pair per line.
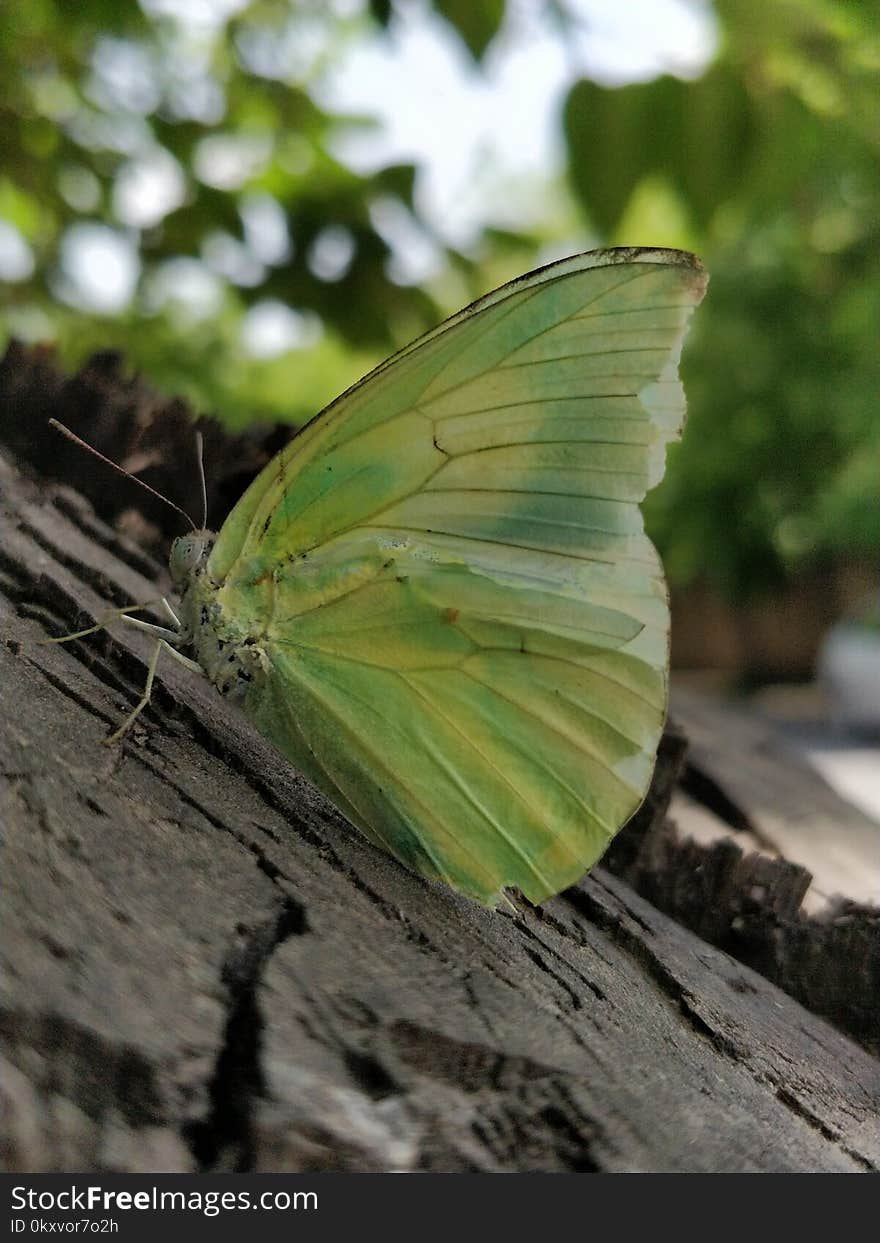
x,y
207,968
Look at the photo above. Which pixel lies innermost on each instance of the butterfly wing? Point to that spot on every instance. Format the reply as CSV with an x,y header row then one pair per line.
x,y
465,625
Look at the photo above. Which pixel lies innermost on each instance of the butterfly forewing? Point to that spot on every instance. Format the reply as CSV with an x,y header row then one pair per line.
x,y
466,636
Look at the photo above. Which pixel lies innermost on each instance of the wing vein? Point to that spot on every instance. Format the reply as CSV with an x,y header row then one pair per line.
x,y
462,383
380,763
531,401
490,763
545,724
482,539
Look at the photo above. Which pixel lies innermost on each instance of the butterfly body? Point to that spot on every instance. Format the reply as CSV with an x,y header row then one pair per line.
x,y
228,651
439,602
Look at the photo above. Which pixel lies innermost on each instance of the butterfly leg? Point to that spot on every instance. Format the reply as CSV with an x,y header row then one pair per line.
x,y
167,639
144,699
107,619
175,620
161,645
161,632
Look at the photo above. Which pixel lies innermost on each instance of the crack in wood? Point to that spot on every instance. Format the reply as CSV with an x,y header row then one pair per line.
x,y
225,1140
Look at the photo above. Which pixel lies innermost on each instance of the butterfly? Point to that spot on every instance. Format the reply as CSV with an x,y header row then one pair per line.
x,y
438,600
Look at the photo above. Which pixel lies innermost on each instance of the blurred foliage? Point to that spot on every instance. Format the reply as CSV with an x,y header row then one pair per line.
x,y
772,160
766,165
476,23
98,93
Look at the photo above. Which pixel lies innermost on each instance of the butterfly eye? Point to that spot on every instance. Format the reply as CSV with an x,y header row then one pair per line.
x,y
187,552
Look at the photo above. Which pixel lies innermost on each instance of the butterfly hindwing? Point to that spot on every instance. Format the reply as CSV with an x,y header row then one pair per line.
x,y
465,627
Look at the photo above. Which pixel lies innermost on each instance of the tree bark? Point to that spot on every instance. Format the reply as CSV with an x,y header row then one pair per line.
x,y
207,968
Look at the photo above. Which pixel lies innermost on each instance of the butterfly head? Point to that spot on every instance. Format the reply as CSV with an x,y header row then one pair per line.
x,y
189,554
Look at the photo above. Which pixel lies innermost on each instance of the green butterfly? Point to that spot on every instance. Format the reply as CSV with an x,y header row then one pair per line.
x,y
438,601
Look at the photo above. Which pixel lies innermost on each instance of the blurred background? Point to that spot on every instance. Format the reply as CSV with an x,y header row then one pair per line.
x,y
258,201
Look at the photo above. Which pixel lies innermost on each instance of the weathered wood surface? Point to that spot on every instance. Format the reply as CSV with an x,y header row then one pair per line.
x,y
752,905
205,967
761,786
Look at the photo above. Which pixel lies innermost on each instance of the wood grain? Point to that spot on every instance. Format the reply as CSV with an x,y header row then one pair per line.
x,y
206,968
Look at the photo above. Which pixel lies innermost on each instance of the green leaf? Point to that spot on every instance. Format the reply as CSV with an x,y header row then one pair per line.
x,y
699,135
381,11
476,23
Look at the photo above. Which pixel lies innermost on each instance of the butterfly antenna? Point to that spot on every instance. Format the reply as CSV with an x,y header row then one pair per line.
x,y
65,431
200,455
